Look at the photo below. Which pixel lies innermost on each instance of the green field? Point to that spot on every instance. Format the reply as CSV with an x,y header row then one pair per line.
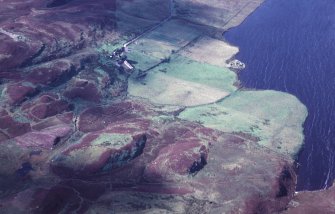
x,y
275,118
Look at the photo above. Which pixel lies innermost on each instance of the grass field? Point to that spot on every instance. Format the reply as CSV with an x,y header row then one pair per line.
x,y
275,118
185,82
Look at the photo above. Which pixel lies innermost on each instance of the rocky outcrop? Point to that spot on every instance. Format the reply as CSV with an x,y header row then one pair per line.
x,y
73,140
142,153
100,151
46,105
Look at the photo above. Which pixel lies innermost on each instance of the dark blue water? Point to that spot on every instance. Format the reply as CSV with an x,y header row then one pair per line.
x,y
289,45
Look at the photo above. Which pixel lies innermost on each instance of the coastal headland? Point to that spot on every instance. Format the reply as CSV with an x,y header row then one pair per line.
x,y
169,131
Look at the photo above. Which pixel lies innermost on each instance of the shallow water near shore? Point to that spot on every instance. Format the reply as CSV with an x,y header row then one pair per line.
x,y
290,46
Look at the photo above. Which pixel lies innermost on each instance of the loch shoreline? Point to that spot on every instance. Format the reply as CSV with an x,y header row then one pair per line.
x,y
298,61
124,144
